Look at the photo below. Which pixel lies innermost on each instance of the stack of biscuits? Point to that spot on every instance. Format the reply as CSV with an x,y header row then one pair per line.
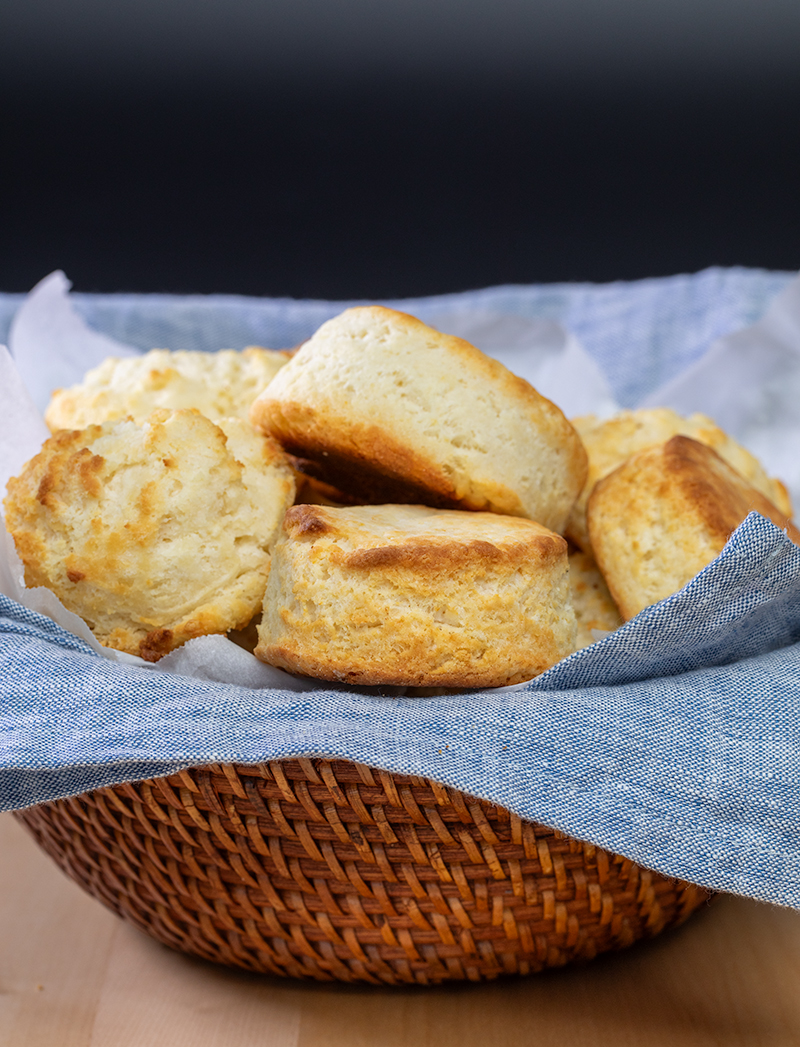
x,y
450,527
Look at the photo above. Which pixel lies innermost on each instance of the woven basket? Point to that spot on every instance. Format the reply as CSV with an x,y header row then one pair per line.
x,y
330,870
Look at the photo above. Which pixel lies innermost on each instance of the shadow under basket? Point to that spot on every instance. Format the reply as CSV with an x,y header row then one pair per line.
x,y
330,870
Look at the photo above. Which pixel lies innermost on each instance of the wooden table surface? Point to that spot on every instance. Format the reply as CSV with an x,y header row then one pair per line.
x,y
74,975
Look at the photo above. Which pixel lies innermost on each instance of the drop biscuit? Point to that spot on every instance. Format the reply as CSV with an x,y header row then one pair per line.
x,y
219,385
153,533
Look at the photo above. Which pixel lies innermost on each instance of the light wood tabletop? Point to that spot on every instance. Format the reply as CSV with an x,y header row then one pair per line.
x,y
73,975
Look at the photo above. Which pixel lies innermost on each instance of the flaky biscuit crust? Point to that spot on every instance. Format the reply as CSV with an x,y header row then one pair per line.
x,y
408,595
219,385
594,607
664,514
152,534
610,442
393,411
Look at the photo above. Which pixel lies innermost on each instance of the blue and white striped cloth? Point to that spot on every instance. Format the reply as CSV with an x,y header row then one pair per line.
x,y
675,741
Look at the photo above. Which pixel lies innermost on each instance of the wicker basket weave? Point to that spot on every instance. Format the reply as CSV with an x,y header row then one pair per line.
x,y
330,870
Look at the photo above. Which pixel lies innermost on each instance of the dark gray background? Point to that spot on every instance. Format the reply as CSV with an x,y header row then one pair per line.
x,y
375,148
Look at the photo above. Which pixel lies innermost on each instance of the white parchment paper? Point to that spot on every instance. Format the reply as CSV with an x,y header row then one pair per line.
x,y
52,347
749,383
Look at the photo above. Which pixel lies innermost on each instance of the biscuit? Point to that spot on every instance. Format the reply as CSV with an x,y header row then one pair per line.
x,y
664,514
390,410
609,443
594,607
408,595
153,533
219,385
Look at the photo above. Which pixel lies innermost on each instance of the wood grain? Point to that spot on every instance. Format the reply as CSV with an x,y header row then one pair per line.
x,y
73,975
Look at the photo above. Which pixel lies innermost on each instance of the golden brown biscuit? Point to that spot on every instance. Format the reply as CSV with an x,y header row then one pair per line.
x,y
152,534
663,515
407,595
393,411
594,607
609,443
218,385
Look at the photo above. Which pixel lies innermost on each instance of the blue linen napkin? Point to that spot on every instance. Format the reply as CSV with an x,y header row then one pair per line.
x,y
675,741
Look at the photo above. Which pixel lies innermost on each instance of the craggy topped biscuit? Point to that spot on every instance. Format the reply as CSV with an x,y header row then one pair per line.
x,y
407,595
594,607
152,533
218,385
664,514
609,443
390,410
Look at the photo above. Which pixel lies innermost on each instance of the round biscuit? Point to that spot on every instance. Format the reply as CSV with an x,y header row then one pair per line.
x,y
219,385
391,410
153,533
414,596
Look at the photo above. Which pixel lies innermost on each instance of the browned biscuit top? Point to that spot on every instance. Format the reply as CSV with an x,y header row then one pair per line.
x,y
664,514
609,443
721,497
383,536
